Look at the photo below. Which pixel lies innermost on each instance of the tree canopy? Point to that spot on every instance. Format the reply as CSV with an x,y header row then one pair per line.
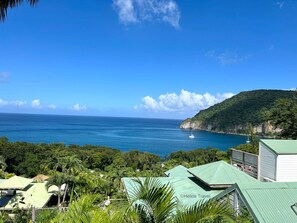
x,y
284,116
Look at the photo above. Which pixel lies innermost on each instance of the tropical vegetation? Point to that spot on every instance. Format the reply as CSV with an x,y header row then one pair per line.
x,y
284,116
98,171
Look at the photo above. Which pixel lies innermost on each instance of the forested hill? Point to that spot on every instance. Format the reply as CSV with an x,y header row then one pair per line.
x,y
234,114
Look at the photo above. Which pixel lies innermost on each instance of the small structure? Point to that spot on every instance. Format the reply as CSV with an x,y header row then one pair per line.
x,y
266,202
23,193
278,160
40,178
220,175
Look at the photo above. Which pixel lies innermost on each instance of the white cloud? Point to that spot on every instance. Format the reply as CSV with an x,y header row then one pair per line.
x,y
184,102
36,103
280,4
78,107
4,76
13,103
135,11
226,57
126,12
52,106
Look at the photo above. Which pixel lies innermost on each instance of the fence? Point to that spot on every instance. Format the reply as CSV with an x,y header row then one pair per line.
x,y
247,162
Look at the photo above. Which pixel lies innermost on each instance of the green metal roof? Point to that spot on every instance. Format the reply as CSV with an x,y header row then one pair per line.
x,y
15,183
269,202
178,171
280,146
36,195
220,174
187,191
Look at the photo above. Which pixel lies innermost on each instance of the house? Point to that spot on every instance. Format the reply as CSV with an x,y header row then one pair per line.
x,y
266,202
195,184
269,196
278,160
23,193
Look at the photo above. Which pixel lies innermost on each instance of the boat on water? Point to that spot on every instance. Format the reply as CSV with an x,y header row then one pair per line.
x,y
191,136
248,140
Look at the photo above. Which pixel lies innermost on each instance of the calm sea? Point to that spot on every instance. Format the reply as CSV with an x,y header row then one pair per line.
x,y
159,136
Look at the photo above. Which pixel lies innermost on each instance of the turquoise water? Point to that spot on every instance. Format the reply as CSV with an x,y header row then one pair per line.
x,y
159,136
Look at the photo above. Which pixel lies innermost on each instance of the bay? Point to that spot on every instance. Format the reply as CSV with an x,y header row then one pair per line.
x,y
158,136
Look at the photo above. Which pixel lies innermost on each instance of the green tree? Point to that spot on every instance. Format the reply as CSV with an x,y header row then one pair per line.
x,y
5,4
205,211
284,116
2,163
153,201
85,210
156,203
57,179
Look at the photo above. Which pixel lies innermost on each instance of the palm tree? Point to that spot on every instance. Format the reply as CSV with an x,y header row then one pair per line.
x,y
156,203
2,163
205,211
70,166
153,201
57,179
85,210
5,4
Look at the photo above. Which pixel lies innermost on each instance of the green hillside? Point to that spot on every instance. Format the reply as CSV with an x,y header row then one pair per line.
x,y
241,109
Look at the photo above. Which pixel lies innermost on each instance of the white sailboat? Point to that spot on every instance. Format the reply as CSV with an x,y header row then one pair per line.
x,y
191,136
248,140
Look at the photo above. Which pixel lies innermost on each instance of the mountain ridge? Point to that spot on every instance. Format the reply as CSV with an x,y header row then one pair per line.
x,y
234,115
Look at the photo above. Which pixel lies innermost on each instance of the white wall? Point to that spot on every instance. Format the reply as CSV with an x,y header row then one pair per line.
x,y
267,161
286,168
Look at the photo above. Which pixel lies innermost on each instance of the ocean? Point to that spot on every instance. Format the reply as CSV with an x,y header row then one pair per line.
x,y
158,136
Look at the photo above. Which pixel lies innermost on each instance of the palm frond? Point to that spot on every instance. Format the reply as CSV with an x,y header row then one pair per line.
x,y
154,201
206,211
5,4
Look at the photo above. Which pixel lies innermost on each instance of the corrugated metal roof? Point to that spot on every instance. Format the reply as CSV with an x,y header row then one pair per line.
x,y
280,146
36,195
186,190
220,174
178,171
15,183
270,202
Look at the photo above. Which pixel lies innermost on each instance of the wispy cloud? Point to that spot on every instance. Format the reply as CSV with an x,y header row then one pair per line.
x,y
185,101
226,57
4,77
280,4
78,107
136,11
17,103
36,103
52,106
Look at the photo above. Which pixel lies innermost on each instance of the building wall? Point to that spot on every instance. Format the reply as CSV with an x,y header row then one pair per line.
x,y
267,164
286,168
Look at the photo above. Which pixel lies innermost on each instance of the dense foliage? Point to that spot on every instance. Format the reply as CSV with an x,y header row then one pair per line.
x,y
241,110
98,171
284,116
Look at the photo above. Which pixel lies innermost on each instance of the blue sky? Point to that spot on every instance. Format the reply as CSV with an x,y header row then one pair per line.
x,y
143,58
